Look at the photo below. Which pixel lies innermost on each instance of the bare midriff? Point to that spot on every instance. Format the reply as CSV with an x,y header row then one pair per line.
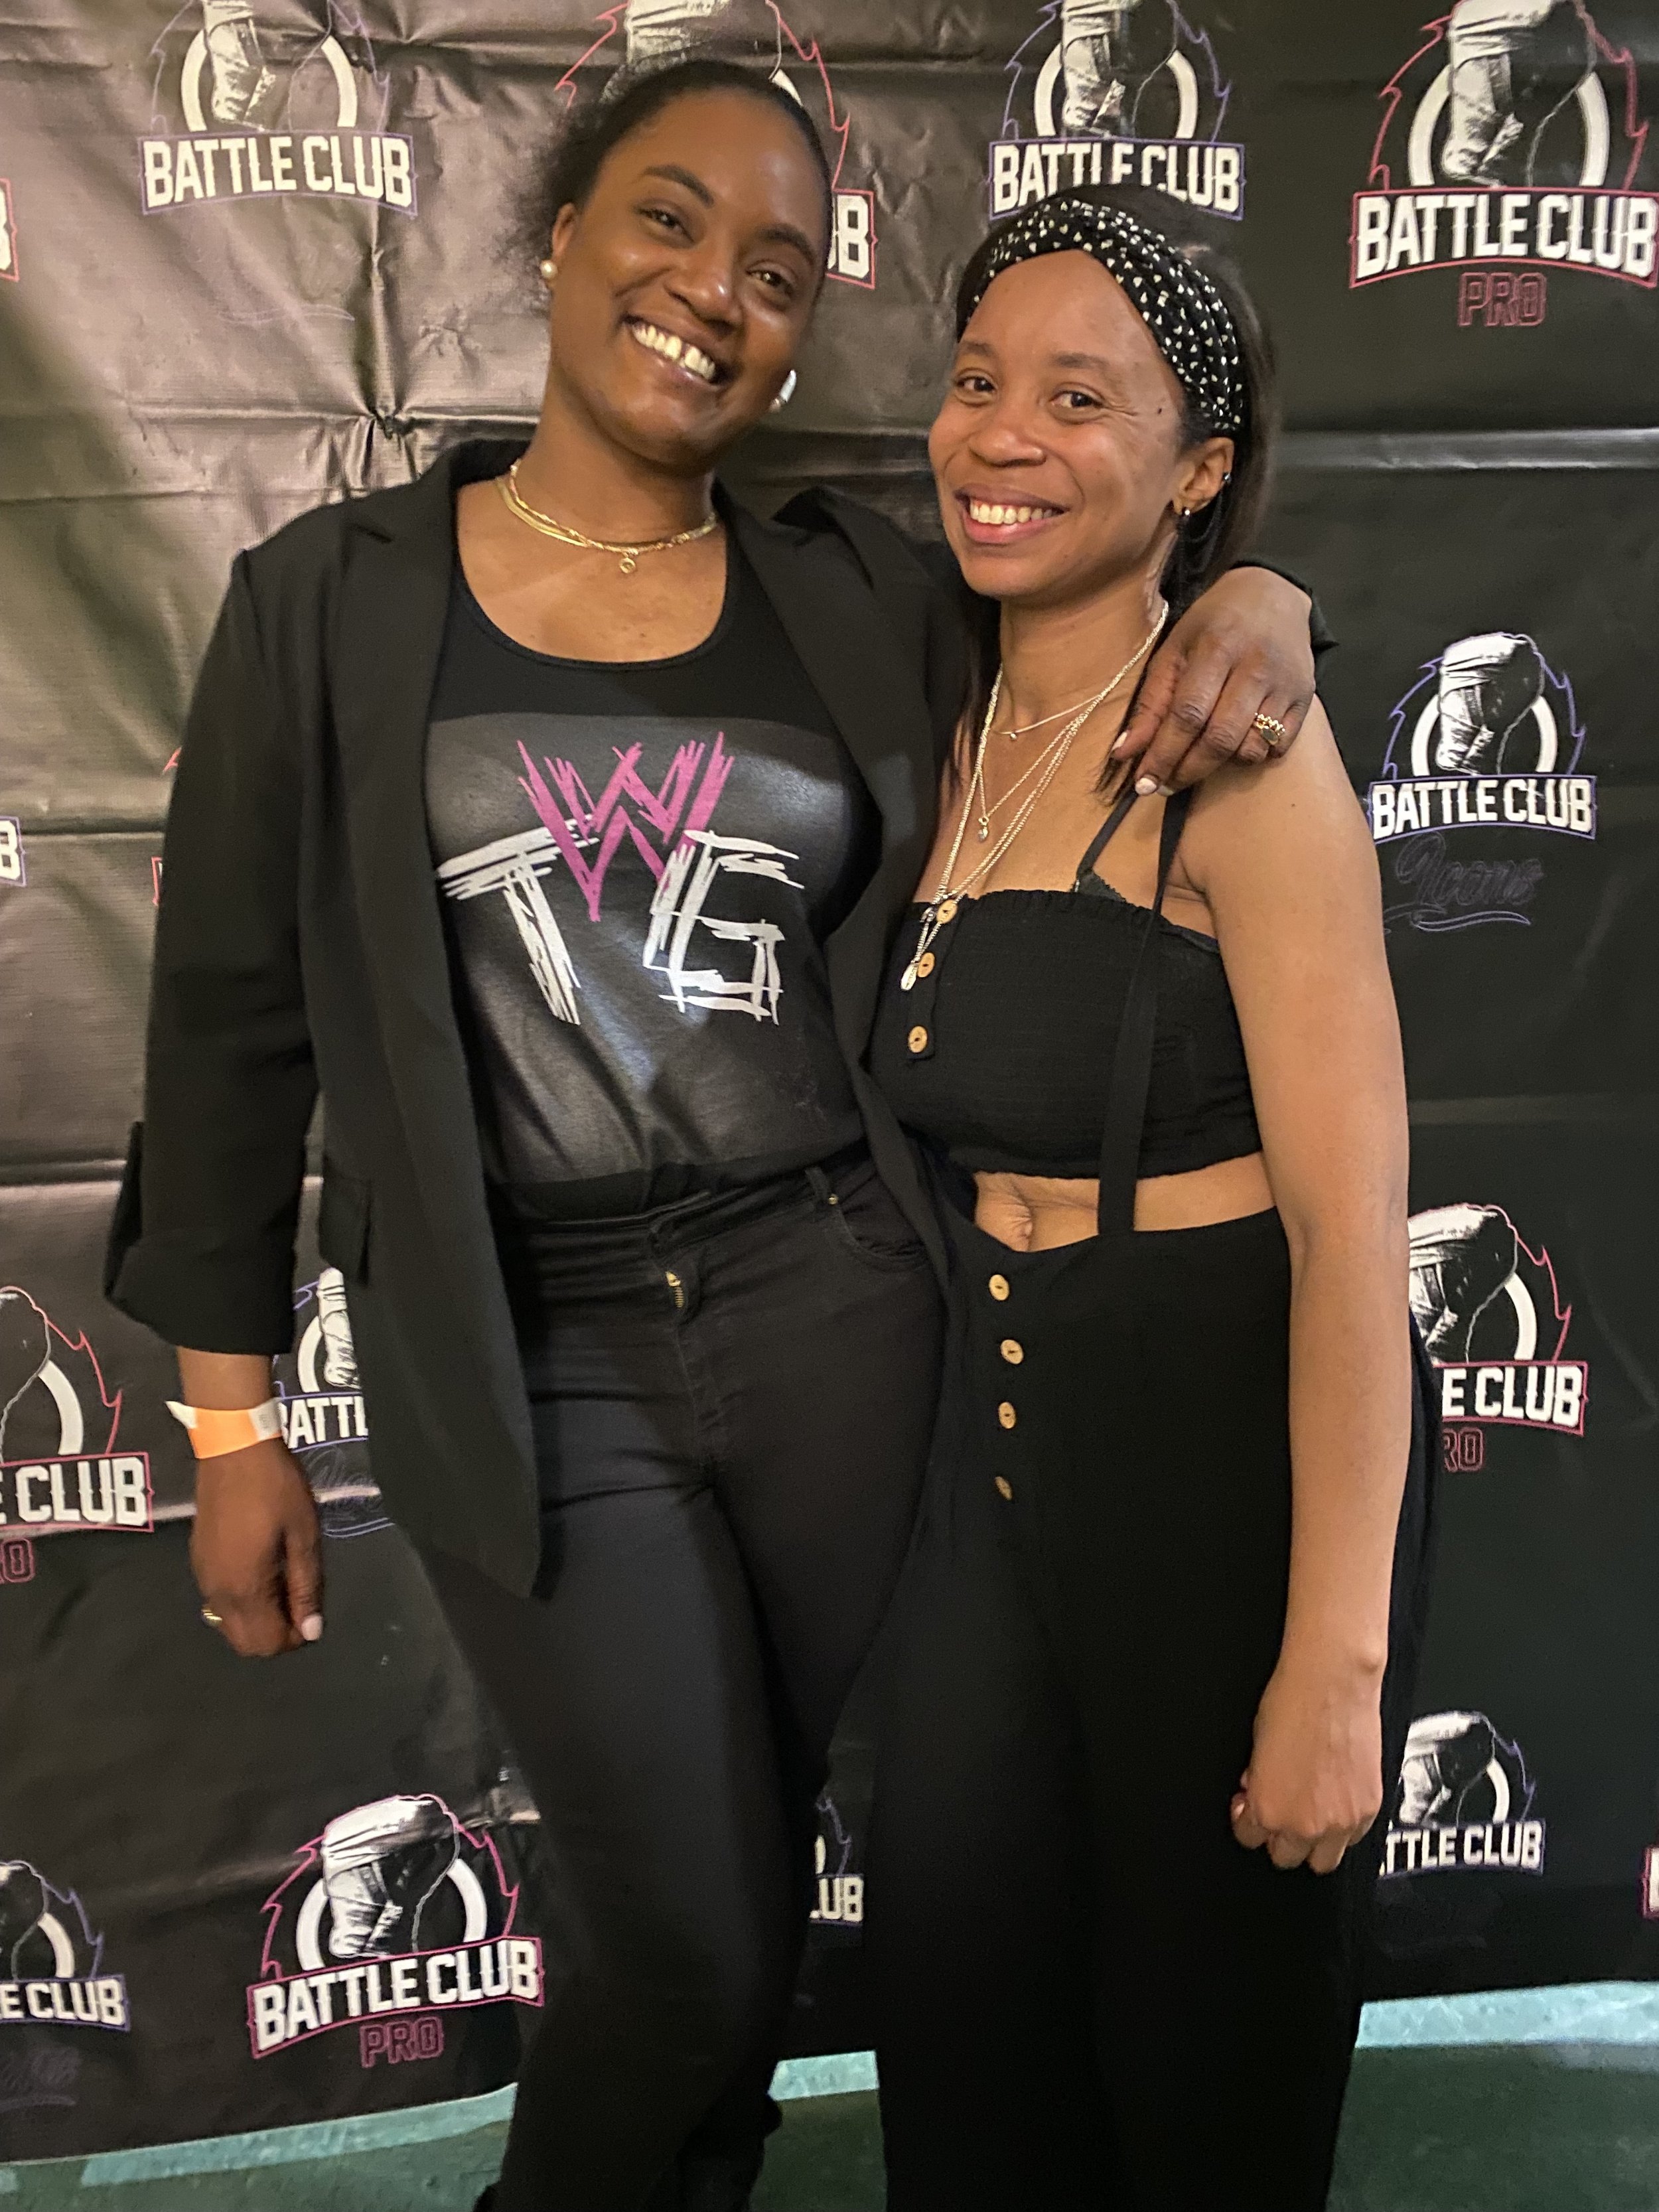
x,y
1034,1213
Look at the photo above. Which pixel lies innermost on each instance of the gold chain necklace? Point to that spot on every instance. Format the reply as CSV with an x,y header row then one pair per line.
x,y
1025,729
566,534
987,807
1087,708
941,908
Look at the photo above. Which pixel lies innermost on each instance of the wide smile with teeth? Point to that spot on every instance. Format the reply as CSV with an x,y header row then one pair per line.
x,y
679,351
992,516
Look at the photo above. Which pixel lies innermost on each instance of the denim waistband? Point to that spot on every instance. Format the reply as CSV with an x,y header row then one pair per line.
x,y
640,1237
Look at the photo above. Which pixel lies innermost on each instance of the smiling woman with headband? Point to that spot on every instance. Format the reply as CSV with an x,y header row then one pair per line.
x,y
1153,1660
551,816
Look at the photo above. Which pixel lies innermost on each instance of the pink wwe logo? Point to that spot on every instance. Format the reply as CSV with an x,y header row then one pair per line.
x,y
683,806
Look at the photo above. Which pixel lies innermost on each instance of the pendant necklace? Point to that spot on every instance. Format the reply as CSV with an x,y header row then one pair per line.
x,y
1088,706
987,808
941,908
567,534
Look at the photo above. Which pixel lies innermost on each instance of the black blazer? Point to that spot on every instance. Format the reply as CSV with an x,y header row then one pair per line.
x,y
300,947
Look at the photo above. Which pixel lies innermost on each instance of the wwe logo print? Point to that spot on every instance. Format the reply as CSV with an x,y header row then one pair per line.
x,y
674,841
678,909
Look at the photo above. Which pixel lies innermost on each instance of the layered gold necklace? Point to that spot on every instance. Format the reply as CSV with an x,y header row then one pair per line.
x,y
942,906
566,534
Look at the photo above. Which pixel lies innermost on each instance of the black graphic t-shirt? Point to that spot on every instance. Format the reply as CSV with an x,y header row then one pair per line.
x,y
639,863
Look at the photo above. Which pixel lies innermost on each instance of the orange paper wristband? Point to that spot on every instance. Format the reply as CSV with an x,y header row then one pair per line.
x,y
213,1432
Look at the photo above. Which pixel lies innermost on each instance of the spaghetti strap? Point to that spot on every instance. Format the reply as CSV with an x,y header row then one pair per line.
x,y
1132,1060
1108,829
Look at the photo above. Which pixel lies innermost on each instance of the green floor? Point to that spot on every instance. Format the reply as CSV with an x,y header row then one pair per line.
x,y
1445,2114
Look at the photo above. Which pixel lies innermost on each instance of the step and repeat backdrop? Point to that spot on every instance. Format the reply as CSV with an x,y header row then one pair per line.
x,y
255,254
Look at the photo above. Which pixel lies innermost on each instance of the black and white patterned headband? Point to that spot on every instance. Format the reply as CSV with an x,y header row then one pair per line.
x,y
1187,316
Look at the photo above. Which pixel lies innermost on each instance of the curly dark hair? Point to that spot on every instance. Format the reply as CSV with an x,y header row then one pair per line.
x,y
630,99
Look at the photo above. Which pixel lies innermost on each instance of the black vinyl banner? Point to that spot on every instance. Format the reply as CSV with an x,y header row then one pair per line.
x,y
257,254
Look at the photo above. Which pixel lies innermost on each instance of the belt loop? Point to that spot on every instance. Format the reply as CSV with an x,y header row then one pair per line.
x,y
822,1188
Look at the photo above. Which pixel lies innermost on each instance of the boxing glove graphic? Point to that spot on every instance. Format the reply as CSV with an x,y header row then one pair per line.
x,y
1511,64
381,1863
1488,685
25,1348
339,1365
22,1907
1461,1257
239,78
1109,51
1446,1754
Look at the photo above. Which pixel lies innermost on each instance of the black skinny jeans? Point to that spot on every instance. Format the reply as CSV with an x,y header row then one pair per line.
x,y
731,1401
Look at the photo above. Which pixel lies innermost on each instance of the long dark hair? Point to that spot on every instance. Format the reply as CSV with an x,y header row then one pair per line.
x,y
1217,536
630,99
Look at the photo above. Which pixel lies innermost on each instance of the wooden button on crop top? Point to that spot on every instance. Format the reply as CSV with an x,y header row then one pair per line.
x,y
1019,1011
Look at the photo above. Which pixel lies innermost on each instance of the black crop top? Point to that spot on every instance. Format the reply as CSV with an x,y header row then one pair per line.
x,y
1001,1052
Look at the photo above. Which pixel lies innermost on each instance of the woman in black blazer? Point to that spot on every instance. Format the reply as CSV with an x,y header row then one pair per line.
x,y
550,817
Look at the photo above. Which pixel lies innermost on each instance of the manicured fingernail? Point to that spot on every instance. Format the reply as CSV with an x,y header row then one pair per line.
x,y
1121,746
1147,786
312,1627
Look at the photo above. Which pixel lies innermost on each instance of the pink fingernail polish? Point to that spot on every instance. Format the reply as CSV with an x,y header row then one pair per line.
x,y
312,1627
1146,786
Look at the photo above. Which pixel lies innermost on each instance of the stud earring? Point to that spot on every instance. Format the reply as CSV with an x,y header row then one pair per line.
x,y
549,269
786,393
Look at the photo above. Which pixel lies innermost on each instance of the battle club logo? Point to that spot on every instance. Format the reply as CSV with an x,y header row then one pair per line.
x,y
1464,1803
1487,738
320,1399
14,864
838,1899
644,34
395,1909
1489,1313
59,1466
1512,137
8,233
281,100
50,1961
1116,91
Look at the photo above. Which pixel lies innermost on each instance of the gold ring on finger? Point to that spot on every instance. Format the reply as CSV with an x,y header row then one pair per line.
x,y
213,1620
1271,729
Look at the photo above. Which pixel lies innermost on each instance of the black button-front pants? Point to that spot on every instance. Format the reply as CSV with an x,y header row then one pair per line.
x,y
731,1400
1089,1998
